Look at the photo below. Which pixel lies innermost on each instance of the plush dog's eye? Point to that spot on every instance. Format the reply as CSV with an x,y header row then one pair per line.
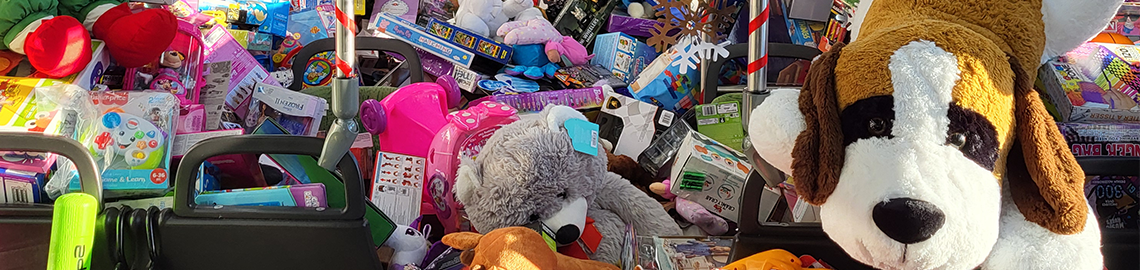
x,y
534,217
562,195
956,139
877,126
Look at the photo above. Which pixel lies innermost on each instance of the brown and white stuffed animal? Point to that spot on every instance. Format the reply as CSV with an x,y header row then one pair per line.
x,y
925,145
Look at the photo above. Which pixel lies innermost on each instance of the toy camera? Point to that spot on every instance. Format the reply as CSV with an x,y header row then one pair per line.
x,y
464,135
139,142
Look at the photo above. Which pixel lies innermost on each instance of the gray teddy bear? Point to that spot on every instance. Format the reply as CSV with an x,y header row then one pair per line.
x,y
529,173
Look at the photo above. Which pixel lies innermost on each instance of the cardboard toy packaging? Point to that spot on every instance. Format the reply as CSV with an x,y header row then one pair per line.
x,y
630,124
710,174
721,121
18,112
1095,82
625,56
90,75
21,187
245,71
663,83
1102,139
305,195
1114,199
583,19
133,141
298,113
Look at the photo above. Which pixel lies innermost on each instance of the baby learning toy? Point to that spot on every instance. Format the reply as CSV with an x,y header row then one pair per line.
x,y
464,136
132,139
139,142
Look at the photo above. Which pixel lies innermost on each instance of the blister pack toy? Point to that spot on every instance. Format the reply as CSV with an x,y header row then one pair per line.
x,y
132,139
177,71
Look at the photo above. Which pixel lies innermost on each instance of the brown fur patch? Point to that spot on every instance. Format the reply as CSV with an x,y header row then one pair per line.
x,y
818,153
1044,178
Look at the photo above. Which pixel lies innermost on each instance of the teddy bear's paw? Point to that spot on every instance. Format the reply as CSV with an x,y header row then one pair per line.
x,y
774,126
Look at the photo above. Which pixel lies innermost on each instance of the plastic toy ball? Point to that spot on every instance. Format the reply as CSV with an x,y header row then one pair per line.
x,y
373,117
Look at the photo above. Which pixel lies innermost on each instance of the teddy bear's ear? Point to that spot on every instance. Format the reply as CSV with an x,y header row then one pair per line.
x,y
1044,179
1070,23
556,115
468,178
817,156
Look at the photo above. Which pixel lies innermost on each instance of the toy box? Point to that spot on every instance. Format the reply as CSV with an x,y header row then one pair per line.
x,y
90,75
18,112
583,19
241,36
160,202
191,118
21,187
580,99
1102,139
1114,199
405,9
472,42
306,195
245,71
623,23
663,83
587,76
435,9
625,56
657,158
630,124
299,113
133,140
710,174
178,70
183,142
397,187
721,121
419,37
464,136
1095,82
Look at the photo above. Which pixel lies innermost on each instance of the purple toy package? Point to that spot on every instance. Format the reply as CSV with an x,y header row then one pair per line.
x,y
1114,199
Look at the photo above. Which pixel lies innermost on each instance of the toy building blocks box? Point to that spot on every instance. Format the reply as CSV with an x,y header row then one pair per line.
x,y
721,121
1095,82
1102,139
133,138
417,36
620,53
1114,199
662,83
630,124
304,195
710,174
471,42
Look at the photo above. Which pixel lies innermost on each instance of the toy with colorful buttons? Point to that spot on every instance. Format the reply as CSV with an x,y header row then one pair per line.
x,y
464,135
131,137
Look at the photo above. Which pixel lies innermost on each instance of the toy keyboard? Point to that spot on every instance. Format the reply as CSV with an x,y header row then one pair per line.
x,y
584,98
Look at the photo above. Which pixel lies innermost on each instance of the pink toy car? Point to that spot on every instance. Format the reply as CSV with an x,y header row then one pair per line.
x,y
464,135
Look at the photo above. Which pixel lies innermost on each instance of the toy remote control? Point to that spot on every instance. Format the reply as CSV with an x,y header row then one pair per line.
x,y
139,141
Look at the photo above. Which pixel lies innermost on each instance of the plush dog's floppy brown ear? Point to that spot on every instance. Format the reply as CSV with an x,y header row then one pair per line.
x,y
1044,178
818,153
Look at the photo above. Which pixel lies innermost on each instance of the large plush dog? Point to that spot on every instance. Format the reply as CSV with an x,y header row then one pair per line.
x,y
925,145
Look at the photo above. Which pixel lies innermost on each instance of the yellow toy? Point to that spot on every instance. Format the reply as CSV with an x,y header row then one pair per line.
x,y
776,259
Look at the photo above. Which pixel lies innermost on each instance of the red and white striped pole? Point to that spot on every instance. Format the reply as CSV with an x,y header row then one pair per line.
x,y
757,56
345,89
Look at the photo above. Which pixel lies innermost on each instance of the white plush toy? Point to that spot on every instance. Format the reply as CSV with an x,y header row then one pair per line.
x,y
481,17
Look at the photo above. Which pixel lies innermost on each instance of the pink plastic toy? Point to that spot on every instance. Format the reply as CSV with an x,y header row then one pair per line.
x,y
407,120
464,135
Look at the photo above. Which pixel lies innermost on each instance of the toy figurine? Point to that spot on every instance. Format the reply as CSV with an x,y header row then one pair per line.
x,y
55,34
167,78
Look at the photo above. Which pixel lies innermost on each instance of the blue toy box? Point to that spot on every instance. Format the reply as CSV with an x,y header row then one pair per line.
x,y
306,195
663,84
625,56
472,42
132,141
20,186
418,37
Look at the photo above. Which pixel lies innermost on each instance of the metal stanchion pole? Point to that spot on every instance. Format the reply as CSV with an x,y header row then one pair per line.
x,y
345,89
757,88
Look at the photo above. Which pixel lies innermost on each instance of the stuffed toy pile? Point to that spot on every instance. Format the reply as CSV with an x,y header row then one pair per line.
x,y
925,144
514,248
56,35
528,172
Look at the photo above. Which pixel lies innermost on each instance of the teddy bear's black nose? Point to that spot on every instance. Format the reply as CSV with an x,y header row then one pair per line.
x,y
567,234
908,220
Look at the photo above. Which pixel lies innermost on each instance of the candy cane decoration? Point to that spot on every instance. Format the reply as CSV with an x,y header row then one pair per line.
x,y
345,47
757,54
345,89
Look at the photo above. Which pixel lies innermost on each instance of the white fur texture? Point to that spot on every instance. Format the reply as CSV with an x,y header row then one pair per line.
x,y
857,19
1068,23
558,115
916,164
1026,245
774,126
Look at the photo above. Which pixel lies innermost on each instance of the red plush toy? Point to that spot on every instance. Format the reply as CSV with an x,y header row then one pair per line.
x,y
54,34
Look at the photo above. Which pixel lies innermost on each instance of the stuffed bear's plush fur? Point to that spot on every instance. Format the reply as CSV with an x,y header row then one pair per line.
x,y
528,171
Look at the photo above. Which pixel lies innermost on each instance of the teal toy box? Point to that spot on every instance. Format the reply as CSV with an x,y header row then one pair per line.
x,y
132,141
623,55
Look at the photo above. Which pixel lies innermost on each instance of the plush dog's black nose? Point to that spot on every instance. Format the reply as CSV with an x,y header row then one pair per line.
x,y
567,234
908,220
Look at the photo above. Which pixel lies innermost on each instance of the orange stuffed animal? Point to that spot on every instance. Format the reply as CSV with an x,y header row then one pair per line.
x,y
514,248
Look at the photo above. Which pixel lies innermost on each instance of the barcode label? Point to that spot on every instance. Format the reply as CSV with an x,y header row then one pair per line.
x,y
666,118
708,110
